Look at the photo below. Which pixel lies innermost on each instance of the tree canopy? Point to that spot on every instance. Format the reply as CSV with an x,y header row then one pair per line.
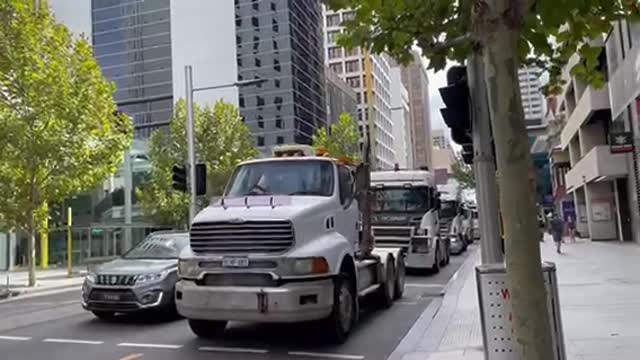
x,y
60,131
463,173
222,140
341,140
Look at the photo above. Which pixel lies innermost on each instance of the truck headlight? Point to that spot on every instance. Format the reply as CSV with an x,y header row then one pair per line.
x,y
421,232
310,266
188,268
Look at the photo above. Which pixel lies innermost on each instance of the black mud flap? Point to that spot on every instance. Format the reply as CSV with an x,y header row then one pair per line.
x,y
263,301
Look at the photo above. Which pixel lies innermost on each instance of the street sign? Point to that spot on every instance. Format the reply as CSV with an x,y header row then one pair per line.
x,y
621,142
496,313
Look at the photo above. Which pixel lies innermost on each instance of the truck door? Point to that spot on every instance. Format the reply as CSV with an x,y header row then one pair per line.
x,y
348,214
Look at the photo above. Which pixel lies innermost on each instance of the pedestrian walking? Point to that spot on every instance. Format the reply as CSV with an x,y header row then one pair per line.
x,y
571,226
556,228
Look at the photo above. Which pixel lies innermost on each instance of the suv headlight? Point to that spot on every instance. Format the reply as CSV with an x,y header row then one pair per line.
x,y
188,268
90,278
151,278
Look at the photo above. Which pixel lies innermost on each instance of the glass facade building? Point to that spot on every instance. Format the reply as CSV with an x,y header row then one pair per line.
x,y
281,41
132,44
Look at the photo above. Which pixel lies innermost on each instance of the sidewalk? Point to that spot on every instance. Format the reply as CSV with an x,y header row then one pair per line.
x,y
599,287
47,280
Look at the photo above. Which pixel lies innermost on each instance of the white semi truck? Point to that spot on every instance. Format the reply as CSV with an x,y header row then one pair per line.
x,y
451,216
290,241
405,215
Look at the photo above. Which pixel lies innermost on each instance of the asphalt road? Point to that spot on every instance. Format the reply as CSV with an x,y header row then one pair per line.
x,y
55,327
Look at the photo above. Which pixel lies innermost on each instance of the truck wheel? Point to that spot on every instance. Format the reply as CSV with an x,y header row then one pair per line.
x,y
400,278
386,292
448,251
207,328
343,315
436,262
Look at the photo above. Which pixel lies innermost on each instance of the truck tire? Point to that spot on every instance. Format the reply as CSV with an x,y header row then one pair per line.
x,y
207,328
436,261
400,278
386,292
343,315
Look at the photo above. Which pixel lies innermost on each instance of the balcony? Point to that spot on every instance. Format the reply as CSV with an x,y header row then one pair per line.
x,y
598,164
591,101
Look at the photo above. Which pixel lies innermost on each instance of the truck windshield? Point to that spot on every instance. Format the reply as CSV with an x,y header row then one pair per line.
x,y
401,199
313,178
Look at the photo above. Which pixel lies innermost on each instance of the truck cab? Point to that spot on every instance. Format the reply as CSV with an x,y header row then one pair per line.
x,y
282,245
451,217
405,215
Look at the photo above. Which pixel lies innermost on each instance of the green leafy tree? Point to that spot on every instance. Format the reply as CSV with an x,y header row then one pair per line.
x,y
59,127
503,35
342,139
463,173
222,140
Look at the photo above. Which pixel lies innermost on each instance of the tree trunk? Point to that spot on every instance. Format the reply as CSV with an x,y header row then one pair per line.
x,y
518,206
31,249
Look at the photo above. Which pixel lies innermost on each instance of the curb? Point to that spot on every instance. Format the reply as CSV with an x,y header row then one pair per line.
x,y
416,334
18,295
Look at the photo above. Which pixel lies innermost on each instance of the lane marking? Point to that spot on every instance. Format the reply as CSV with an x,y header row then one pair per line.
x,y
132,357
15,338
325,355
232,349
73,341
424,285
156,346
406,303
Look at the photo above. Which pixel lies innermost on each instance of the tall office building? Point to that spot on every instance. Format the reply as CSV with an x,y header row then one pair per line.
x,y
439,139
281,41
350,66
401,116
144,46
415,79
532,99
340,98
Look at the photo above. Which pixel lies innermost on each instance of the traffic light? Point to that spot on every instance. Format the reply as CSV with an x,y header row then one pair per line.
x,y
201,179
180,178
457,113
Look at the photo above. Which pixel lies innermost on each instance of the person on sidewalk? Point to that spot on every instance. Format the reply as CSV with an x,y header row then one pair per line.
x,y
556,228
571,226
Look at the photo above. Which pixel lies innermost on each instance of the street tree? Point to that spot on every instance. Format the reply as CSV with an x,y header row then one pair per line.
x,y
463,173
60,131
504,34
341,140
222,140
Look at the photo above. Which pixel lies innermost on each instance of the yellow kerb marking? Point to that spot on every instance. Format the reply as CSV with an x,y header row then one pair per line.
x,y
132,357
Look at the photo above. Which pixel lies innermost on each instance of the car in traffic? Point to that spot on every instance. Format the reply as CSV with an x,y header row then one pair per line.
x,y
144,278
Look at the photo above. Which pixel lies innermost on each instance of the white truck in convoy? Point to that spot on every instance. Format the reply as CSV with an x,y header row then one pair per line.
x,y
405,214
289,241
451,217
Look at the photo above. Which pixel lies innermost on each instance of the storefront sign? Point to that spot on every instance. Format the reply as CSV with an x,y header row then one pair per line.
x,y
621,142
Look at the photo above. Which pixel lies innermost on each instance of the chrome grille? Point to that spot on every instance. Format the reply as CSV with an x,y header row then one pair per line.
x,y
116,280
255,236
392,236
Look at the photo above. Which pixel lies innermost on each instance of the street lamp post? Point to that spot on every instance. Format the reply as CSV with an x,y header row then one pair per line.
x,y
190,90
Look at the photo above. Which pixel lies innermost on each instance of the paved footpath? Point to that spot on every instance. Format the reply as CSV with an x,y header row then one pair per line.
x,y
47,282
599,287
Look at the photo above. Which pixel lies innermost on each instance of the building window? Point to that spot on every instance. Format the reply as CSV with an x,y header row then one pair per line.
x,y
255,22
260,122
354,82
241,101
239,41
274,25
276,82
332,36
335,52
256,6
280,140
353,52
239,61
273,6
259,100
333,20
258,62
350,15
258,84
337,68
256,43
278,122
275,45
353,66
260,140
276,65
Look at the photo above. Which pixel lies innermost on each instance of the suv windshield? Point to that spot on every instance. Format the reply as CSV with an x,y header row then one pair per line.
x,y
165,246
401,199
282,178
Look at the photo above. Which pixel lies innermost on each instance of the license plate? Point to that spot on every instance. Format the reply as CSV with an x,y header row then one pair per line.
x,y
111,297
235,262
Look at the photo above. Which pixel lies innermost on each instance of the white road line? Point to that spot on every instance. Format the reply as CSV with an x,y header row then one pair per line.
x,y
326,355
73,341
406,303
15,338
156,346
424,285
232,349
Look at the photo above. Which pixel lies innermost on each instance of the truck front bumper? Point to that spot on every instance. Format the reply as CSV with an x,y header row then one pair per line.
x,y
291,302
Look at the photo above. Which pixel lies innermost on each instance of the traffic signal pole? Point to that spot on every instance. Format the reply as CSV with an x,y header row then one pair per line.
x,y
484,165
191,168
